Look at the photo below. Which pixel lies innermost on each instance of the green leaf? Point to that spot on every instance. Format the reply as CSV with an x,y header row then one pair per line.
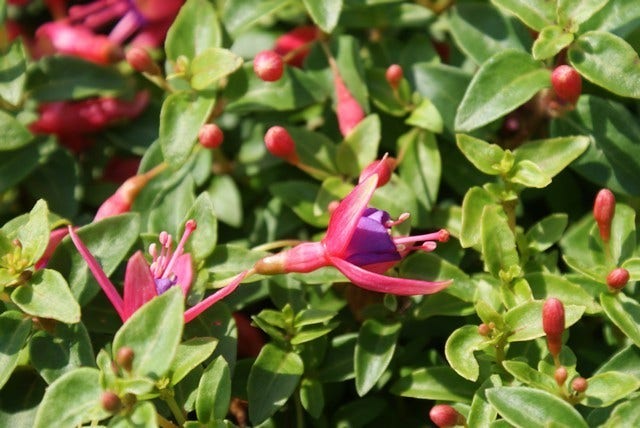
x,y
498,242
525,320
546,284
434,383
472,207
181,117
426,116
338,366
68,348
526,407
153,333
273,378
300,197
360,147
171,204
571,13
623,233
374,351
214,391
624,312
13,134
505,81
143,415
194,30
530,376
421,167
608,61
550,41
47,295
481,31
189,355
626,361
484,156
227,260
625,414
608,387
238,15
482,413
226,199
17,164
315,149
459,351
312,397
34,235
536,14
212,65
13,69
203,240
72,399
633,266
14,330
324,13
542,235
528,174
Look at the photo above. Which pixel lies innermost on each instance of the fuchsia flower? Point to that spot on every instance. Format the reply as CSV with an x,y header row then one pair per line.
x,y
358,243
142,282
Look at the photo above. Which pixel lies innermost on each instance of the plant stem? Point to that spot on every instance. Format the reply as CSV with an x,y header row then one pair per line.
x,y
175,408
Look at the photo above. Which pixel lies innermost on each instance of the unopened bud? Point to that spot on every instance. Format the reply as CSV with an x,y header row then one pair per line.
x,y
618,278
604,209
394,75
110,402
124,358
268,66
560,375
210,136
579,384
279,143
140,60
553,324
294,46
567,83
445,416
484,330
383,167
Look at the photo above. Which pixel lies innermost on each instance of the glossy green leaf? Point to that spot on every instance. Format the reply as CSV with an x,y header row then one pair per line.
x,y
481,31
203,240
237,16
459,351
325,14
227,202
374,350
194,30
434,383
426,116
542,235
154,330
338,366
546,284
482,413
608,61
308,335
536,14
14,330
181,117
17,164
212,65
624,312
505,81
498,242
72,399
484,156
528,174
525,320
608,387
143,415
633,266
226,261
551,40
360,147
526,407
625,361
421,167
189,355
472,207
171,204
628,412
214,391
13,134
431,267
300,197
13,75
273,378
571,13
530,376
34,234
312,397
384,14
47,295
623,233
615,17
316,150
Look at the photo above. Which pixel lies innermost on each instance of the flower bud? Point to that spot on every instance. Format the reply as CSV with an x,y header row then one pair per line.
x,y
124,358
443,415
268,66
560,375
394,75
553,324
348,110
618,278
383,167
110,402
280,144
579,384
210,136
294,46
567,83
484,330
604,209
140,60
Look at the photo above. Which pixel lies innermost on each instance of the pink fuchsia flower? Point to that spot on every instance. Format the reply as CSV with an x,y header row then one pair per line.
x,y
144,281
358,243
60,37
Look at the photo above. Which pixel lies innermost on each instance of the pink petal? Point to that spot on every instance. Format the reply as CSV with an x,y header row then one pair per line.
x,y
55,237
191,313
106,285
139,286
386,284
183,269
345,218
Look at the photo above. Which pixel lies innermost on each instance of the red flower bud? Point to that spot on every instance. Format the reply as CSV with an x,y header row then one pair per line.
x,y
618,278
560,375
210,136
383,167
567,83
124,358
110,402
280,144
579,384
348,110
484,330
394,75
268,66
140,60
553,324
294,46
604,209
445,416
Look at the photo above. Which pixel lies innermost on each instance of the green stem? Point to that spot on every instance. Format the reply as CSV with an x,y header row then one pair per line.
x,y
178,413
299,410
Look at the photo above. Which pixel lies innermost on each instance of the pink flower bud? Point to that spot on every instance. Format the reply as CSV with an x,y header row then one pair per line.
x,y
444,416
294,46
124,358
618,278
348,110
394,75
560,375
268,66
383,167
553,324
604,209
110,402
567,83
210,136
59,37
280,144
140,60
484,330
579,384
